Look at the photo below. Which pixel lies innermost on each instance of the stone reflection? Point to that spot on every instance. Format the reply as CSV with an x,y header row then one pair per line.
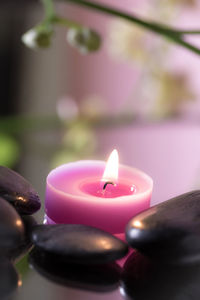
x,y
143,279
98,278
8,279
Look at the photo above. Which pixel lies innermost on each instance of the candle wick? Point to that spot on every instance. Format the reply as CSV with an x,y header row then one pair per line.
x,y
106,183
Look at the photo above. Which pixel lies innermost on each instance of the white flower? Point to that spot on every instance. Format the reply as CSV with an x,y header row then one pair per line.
x,y
84,39
29,38
39,37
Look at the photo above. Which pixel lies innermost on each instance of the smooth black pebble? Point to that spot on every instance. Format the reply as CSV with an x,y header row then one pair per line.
x,y
79,243
8,279
169,231
99,278
18,191
20,249
11,228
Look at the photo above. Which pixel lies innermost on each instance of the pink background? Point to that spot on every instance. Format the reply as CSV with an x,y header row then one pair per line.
x,y
168,151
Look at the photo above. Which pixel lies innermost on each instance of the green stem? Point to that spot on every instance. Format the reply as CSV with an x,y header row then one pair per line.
x,y
49,9
111,11
188,46
182,32
65,22
171,34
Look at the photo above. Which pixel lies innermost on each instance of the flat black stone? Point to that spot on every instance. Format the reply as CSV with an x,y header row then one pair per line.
x,y
79,243
144,279
8,279
11,227
169,231
99,278
18,192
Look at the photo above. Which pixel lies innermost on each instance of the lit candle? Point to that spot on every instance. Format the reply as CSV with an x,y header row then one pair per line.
x,y
94,193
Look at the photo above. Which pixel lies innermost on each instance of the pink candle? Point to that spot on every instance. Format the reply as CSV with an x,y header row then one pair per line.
x,y
87,192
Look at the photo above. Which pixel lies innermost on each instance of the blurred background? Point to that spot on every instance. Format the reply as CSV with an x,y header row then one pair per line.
x,y
138,93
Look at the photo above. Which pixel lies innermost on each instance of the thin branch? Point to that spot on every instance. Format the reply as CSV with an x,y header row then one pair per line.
x,y
65,22
168,32
49,8
182,32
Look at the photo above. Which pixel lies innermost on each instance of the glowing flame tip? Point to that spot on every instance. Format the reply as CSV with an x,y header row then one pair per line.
x,y
111,170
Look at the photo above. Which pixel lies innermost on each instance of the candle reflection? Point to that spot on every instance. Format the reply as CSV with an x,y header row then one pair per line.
x,y
137,224
26,243
104,243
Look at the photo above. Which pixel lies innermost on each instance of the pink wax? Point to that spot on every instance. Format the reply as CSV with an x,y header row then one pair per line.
x,y
75,195
117,190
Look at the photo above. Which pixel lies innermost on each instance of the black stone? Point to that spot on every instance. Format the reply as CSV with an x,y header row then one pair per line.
x,y
79,243
99,278
144,279
169,231
8,279
18,191
17,252
11,227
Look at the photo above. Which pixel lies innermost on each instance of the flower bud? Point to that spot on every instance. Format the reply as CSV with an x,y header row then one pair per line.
x,y
39,37
84,39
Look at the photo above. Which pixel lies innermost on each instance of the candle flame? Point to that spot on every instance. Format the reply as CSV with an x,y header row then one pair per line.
x,y
111,171
19,283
